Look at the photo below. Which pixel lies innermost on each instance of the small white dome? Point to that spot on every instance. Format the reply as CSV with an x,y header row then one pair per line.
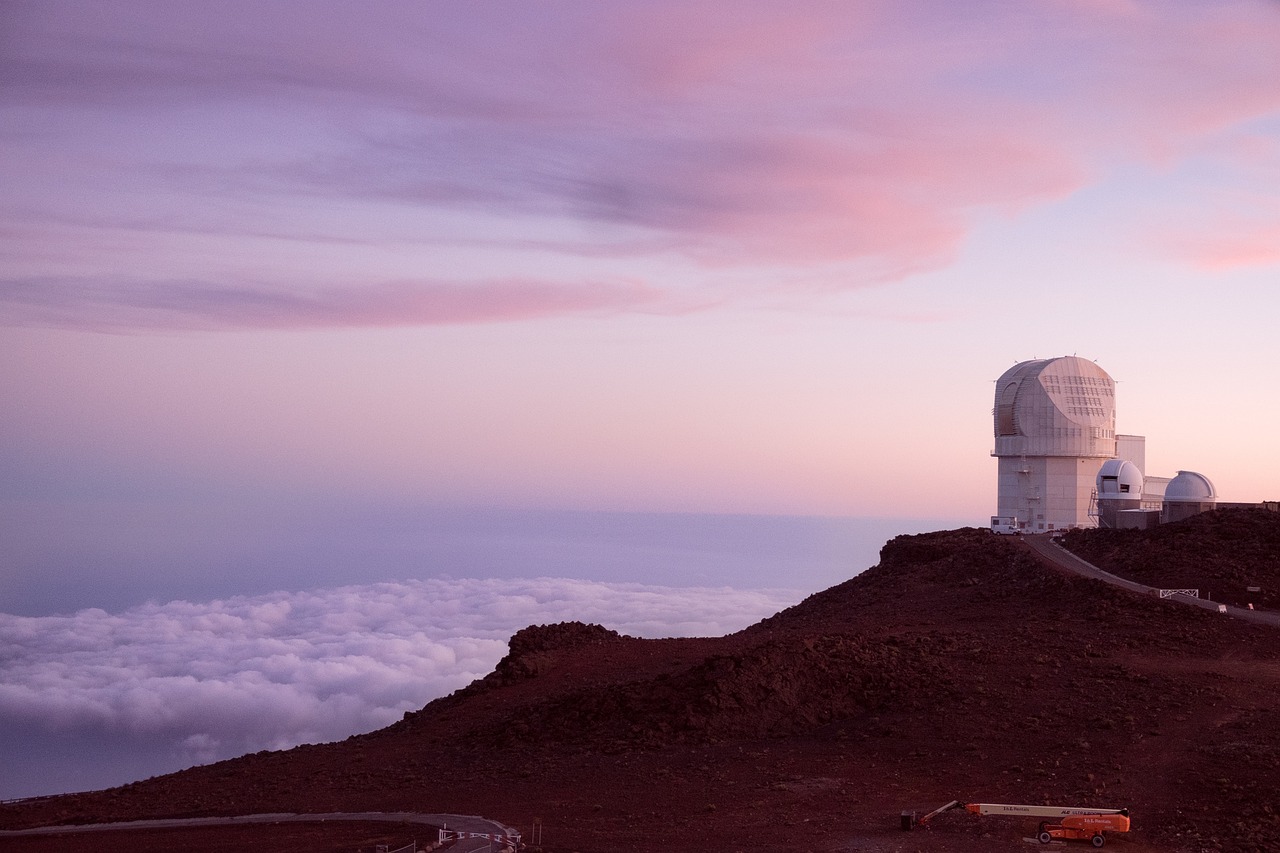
x,y
1192,487
1119,478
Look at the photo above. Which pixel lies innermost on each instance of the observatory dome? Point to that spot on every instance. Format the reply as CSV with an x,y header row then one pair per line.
x,y
1055,407
1119,478
1191,487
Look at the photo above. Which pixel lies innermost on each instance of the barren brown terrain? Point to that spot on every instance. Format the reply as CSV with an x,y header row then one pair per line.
x,y
959,667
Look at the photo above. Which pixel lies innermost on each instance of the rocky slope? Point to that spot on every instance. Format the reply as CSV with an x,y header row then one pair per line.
x,y
1225,554
958,667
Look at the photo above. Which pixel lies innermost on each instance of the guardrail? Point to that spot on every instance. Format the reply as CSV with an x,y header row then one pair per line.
x,y
10,802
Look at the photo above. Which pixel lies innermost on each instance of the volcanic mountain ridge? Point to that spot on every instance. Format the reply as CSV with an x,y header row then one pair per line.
x,y
959,667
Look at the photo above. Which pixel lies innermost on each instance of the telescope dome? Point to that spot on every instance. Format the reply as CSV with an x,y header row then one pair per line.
x,y
1119,478
1055,407
1191,487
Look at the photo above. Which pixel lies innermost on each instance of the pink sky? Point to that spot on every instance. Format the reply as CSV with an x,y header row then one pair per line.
x,y
375,331
668,257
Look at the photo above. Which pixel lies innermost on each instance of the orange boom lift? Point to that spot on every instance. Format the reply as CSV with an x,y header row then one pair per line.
x,y
1072,822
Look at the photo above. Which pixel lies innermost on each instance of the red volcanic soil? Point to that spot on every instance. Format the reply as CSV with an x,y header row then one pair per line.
x,y
959,667
1225,554
350,837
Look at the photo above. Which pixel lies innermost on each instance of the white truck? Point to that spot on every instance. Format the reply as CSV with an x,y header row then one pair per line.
x,y
1005,524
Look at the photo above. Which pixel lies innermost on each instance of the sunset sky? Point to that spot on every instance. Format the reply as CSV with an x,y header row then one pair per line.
x,y
273,270
654,257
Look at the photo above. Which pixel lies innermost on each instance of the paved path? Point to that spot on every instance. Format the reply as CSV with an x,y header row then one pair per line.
x,y
1054,554
463,823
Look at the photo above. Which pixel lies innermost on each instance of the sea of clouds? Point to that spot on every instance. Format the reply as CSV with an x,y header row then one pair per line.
x,y
185,683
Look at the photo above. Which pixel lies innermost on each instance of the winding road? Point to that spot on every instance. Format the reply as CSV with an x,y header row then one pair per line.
x,y
483,828
1053,554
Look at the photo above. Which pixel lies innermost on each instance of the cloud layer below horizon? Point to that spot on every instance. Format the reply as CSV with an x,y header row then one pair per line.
x,y
213,680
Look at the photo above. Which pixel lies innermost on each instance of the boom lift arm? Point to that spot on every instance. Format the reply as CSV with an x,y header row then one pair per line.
x,y
1076,822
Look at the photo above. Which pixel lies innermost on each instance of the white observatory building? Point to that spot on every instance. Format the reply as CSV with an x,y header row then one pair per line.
x,y
1055,425
1061,463
1120,485
1187,494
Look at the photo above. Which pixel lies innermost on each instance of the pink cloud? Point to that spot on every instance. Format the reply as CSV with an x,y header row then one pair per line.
x,y
873,136
1227,246
135,305
1230,218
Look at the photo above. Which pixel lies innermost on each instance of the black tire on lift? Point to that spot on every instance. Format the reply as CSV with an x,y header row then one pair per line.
x,y
1098,840
1044,837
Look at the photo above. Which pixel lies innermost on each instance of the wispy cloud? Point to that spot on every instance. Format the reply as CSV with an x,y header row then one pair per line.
x,y
1233,219
131,305
1248,244
862,141
220,678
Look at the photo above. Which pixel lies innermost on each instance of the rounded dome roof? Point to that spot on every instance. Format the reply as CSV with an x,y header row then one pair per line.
x,y
1190,486
1055,407
1119,478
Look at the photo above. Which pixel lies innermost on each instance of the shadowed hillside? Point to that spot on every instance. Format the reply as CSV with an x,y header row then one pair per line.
x,y
1221,553
958,667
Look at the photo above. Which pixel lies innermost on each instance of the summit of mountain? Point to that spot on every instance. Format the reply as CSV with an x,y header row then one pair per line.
x,y
959,667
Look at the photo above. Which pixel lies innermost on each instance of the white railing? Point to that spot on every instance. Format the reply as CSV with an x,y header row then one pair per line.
x,y
1170,593
509,838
